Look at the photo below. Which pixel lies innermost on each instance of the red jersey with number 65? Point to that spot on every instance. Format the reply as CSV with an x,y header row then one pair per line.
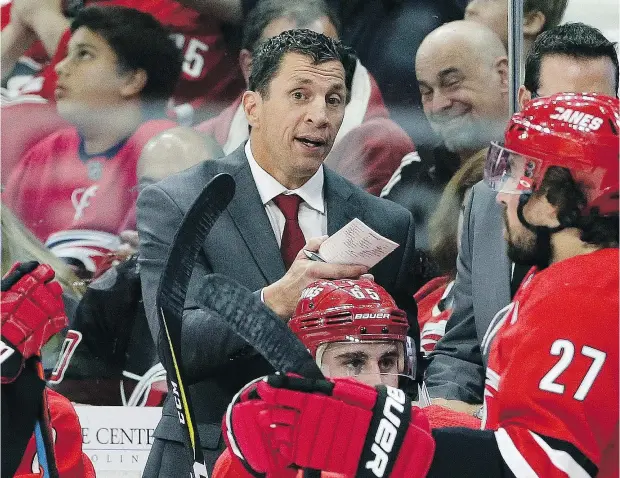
x,y
551,389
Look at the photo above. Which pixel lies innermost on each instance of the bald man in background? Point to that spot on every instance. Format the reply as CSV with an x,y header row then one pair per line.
x,y
462,70
569,57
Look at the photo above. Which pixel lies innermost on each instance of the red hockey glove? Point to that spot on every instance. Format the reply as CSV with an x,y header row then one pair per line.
x,y
32,311
339,425
246,440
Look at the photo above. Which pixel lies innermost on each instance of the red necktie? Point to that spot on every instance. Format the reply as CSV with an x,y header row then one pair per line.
x,y
292,238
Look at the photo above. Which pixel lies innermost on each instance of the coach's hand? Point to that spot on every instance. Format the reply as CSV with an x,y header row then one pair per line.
x,y
282,296
337,425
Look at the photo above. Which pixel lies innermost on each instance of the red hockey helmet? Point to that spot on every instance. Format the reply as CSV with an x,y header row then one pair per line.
x,y
575,131
350,311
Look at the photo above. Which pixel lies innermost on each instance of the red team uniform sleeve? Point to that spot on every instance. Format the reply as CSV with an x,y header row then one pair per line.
x,y
554,403
369,154
70,460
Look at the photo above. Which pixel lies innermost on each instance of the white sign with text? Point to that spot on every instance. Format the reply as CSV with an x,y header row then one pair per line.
x,y
118,438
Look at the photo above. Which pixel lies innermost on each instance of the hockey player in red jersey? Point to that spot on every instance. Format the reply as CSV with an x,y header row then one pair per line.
x,y
33,311
353,328
551,397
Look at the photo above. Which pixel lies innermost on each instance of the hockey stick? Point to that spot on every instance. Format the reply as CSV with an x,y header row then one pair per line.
x,y
252,320
171,293
43,434
267,333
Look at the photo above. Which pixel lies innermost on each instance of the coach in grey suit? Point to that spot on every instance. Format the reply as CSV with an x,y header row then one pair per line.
x,y
298,89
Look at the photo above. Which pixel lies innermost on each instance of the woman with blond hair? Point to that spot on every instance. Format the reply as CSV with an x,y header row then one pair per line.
x,y
20,245
435,298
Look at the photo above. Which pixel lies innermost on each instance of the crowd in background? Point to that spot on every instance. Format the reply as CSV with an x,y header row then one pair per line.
x,y
100,101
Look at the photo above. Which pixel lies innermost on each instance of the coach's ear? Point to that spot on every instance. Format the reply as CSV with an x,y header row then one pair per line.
x,y
252,106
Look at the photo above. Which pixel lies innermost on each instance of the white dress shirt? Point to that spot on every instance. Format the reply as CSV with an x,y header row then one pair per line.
x,y
312,212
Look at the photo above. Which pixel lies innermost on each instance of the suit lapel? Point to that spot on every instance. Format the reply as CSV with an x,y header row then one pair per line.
x,y
250,218
340,211
248,214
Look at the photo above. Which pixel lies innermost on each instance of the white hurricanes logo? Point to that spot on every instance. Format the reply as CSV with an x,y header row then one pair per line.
x,y
577,118
311,292
80,198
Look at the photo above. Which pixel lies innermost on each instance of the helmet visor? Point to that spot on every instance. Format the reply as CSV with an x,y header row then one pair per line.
x,y
371,362
506,171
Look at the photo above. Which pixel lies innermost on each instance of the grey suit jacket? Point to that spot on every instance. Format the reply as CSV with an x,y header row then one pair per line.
x,y
242,245
481,289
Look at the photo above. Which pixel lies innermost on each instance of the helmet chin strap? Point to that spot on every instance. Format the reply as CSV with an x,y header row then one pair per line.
x,y
523,199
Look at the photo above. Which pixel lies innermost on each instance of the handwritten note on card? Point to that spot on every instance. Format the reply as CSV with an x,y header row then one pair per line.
x,y
356,243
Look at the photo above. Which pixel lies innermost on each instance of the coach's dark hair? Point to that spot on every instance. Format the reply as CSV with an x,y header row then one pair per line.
x,y
301,12
267,58
568,196
573,39
139,42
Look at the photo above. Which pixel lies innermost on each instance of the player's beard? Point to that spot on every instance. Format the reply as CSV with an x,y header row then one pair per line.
x,y
531,248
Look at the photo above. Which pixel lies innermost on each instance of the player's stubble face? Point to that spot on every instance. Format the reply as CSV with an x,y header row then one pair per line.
x,y
523,245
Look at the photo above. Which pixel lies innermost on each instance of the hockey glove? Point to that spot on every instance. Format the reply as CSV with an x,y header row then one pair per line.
x,y
339,425
247,441
32,311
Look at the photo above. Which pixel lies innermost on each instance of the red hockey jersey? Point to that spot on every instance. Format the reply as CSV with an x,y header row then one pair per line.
x,y
551,389
57,187
434,301
70,460
24,122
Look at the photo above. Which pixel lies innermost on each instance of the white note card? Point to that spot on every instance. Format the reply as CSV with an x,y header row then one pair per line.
x,y
356,243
